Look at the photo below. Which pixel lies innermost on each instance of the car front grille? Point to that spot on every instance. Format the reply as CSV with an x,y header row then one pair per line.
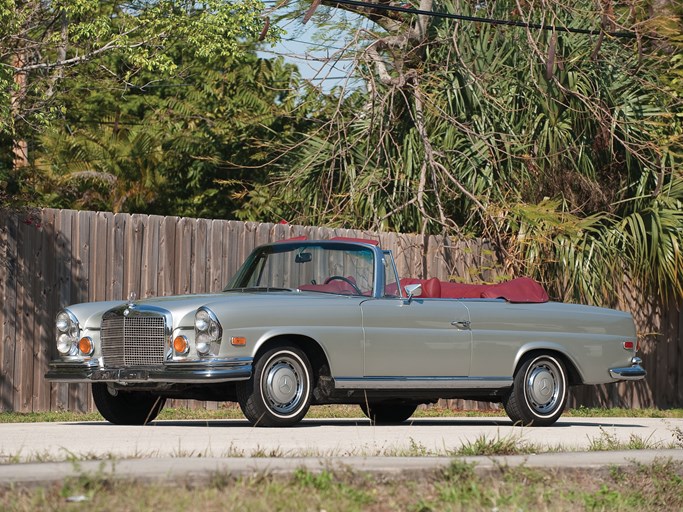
x,y
133,340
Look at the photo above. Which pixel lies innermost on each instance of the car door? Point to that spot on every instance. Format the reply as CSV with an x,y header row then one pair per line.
x,y
420,338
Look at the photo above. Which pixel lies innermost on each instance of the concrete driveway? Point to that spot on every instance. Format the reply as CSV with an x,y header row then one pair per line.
x,y
337,437
233,445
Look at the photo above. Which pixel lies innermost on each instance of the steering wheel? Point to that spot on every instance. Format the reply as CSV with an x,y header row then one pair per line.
x,y
346,280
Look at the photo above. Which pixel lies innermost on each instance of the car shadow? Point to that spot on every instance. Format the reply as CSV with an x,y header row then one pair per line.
x,y
363,422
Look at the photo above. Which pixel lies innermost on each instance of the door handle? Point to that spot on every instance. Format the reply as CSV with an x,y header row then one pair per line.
x,y
463,324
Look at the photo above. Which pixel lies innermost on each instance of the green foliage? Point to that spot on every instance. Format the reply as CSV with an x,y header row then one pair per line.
x,y
564,152
192,145
43,43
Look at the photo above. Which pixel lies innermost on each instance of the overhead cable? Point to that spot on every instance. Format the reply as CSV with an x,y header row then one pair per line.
x,y
491,21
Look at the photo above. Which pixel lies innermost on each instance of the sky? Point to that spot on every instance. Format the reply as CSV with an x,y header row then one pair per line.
x,y
319,51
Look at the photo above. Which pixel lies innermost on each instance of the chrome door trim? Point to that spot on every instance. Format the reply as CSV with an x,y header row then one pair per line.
x,y
422,382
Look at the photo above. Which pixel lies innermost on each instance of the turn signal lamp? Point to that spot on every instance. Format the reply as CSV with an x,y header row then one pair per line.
x,y
238,341
86,346
181,345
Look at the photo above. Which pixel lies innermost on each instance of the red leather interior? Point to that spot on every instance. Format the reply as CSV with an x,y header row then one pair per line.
x,y
520,290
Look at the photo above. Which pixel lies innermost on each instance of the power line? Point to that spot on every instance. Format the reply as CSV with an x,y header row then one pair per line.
x,y
491,21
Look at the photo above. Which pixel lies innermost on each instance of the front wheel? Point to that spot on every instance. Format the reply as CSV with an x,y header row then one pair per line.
x,y
279,392
387,413
126,407
539,391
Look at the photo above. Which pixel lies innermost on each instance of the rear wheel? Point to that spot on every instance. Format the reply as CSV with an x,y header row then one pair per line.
x,y
279,392
539,391
126,407
387,413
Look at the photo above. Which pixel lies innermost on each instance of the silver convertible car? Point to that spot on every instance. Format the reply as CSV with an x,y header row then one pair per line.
x,y
306,322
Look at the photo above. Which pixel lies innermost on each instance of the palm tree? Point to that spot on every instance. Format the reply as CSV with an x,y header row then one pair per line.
x,y
558,147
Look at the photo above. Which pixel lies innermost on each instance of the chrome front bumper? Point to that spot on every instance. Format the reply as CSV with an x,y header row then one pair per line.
x,y
194,372
633,372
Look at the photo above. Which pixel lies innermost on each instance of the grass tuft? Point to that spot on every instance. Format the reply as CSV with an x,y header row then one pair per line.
x,y
509,445
610,442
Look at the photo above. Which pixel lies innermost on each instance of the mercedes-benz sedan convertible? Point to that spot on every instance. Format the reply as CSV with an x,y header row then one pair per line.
x,y
320,322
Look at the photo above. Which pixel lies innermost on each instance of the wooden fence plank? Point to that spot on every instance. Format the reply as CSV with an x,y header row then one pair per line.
x,y
5,344
183,257
167,261
51,287
23,356
59,392
43,319
99,237
150,258
135,242
121,274
217,257
80,254
200,264
9,310
673,349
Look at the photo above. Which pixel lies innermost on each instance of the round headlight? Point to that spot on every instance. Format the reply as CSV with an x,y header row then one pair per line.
x,y
202,344
202,320
208,332
67,333
65,345
63,321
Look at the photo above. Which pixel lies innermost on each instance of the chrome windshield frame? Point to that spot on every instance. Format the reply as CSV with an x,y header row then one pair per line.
x,y
241,277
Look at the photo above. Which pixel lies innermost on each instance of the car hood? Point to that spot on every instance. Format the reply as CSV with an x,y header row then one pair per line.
x,y
89,314
182,307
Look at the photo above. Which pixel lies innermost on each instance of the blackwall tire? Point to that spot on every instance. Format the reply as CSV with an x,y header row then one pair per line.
x,y
387,413
539,391
279,392
126,407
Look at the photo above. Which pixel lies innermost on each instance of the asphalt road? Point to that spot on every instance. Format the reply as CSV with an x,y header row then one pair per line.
x,y
232,445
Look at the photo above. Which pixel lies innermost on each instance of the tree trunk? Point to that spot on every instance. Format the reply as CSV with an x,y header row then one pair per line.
x,y
19,146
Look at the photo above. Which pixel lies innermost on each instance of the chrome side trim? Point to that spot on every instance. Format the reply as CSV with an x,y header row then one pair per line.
x,y
422,382
194,372
633,372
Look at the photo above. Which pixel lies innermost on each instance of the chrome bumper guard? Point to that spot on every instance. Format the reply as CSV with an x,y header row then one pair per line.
x,y
195,372
633,372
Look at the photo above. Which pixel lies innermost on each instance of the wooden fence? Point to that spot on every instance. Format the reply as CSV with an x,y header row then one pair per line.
x,y
51,258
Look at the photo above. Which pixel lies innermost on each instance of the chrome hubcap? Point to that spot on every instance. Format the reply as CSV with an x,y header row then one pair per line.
x,y
283,384
544,386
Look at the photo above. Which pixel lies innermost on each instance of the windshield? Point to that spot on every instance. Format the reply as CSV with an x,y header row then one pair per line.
x,y
333,268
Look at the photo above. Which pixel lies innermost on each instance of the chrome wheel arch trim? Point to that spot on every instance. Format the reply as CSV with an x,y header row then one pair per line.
x,y
548,347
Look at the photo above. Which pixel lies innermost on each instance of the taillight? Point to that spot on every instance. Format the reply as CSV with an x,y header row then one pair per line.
x,y
630,345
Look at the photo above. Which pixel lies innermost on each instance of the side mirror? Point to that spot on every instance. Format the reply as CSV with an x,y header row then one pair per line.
x,y
413,290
